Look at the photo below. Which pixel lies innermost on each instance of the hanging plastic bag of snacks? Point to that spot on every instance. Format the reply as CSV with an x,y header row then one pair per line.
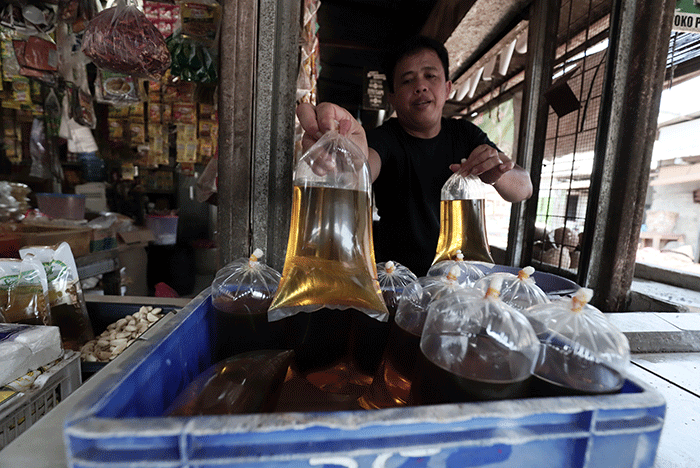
x,y
121,39
68,309
582,352
463,220
24,292
474,350
469,272
241,293
519,291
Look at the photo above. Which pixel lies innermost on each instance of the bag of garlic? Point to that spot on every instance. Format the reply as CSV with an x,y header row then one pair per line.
x,y
462,220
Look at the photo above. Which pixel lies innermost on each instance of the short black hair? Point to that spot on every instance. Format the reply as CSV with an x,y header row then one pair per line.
x,y
410,46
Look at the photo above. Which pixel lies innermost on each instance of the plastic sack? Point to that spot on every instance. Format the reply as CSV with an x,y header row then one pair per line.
x,y
24,348
475,350
241,294
519,291
463,220
68,309
246,383
24,292
330,255
469,272
121,39
582,352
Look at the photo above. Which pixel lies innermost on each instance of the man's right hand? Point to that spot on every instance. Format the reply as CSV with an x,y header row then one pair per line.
x,y
317,120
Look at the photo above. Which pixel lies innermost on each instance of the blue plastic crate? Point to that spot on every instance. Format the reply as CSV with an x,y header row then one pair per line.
x,y
119,423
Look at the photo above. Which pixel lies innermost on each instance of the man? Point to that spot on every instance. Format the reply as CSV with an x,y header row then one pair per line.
x,y
412,156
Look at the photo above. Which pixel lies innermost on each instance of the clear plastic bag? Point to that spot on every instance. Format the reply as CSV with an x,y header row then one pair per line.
x,y
519,291
330,255
463,220
393,278
24,292
582,352
67,303
471,349
469,272
246,383
241,294
121,39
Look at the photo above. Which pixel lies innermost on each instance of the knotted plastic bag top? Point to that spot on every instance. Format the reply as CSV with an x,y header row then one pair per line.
x,y
245,285
519,291
463,220
393,278
469,272
581,349
330,254
417,297
481,339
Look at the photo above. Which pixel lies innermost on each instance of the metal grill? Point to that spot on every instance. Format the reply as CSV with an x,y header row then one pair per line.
x,y
574,100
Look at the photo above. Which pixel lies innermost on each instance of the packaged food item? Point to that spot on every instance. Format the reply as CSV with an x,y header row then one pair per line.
x,y
582,352
519,291
392,382
68,309
462,220
474,350
469,272
246,383
122,40
329,268
24,348
241,294
24,291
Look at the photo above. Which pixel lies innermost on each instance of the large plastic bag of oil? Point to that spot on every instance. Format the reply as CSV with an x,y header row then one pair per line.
x,y
463,220
330,255
68,309
241,293
24,292
582,352
245,383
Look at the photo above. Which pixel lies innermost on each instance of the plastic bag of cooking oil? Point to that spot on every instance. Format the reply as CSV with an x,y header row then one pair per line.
x,y
241,293
469,272
519,291
463,220
68,309
330,256
24,292
582,352
474,349
245,383
393,278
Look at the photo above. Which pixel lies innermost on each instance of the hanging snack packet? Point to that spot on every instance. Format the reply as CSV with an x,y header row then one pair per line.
x,y
241,293
469,272
462,220
68,309
582,352
519,291
24,292
474,350
246,383
330,255
121,39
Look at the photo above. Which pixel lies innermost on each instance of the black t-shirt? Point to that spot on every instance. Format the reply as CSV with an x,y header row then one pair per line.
x,y
407,191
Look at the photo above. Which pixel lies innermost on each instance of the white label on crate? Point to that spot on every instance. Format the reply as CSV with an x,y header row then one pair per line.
x,y
341,461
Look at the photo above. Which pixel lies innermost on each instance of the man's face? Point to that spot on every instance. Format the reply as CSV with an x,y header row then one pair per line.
x,y
420,92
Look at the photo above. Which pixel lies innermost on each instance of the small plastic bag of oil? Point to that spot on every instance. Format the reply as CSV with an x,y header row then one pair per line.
x,y
474,350
582,352
519,291
248,382
393,278
241,293
330,255
66,300
469,272
24,292
463,220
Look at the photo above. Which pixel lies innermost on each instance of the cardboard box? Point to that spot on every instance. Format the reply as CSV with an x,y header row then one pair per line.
x,y
37,234
139,236
103,239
